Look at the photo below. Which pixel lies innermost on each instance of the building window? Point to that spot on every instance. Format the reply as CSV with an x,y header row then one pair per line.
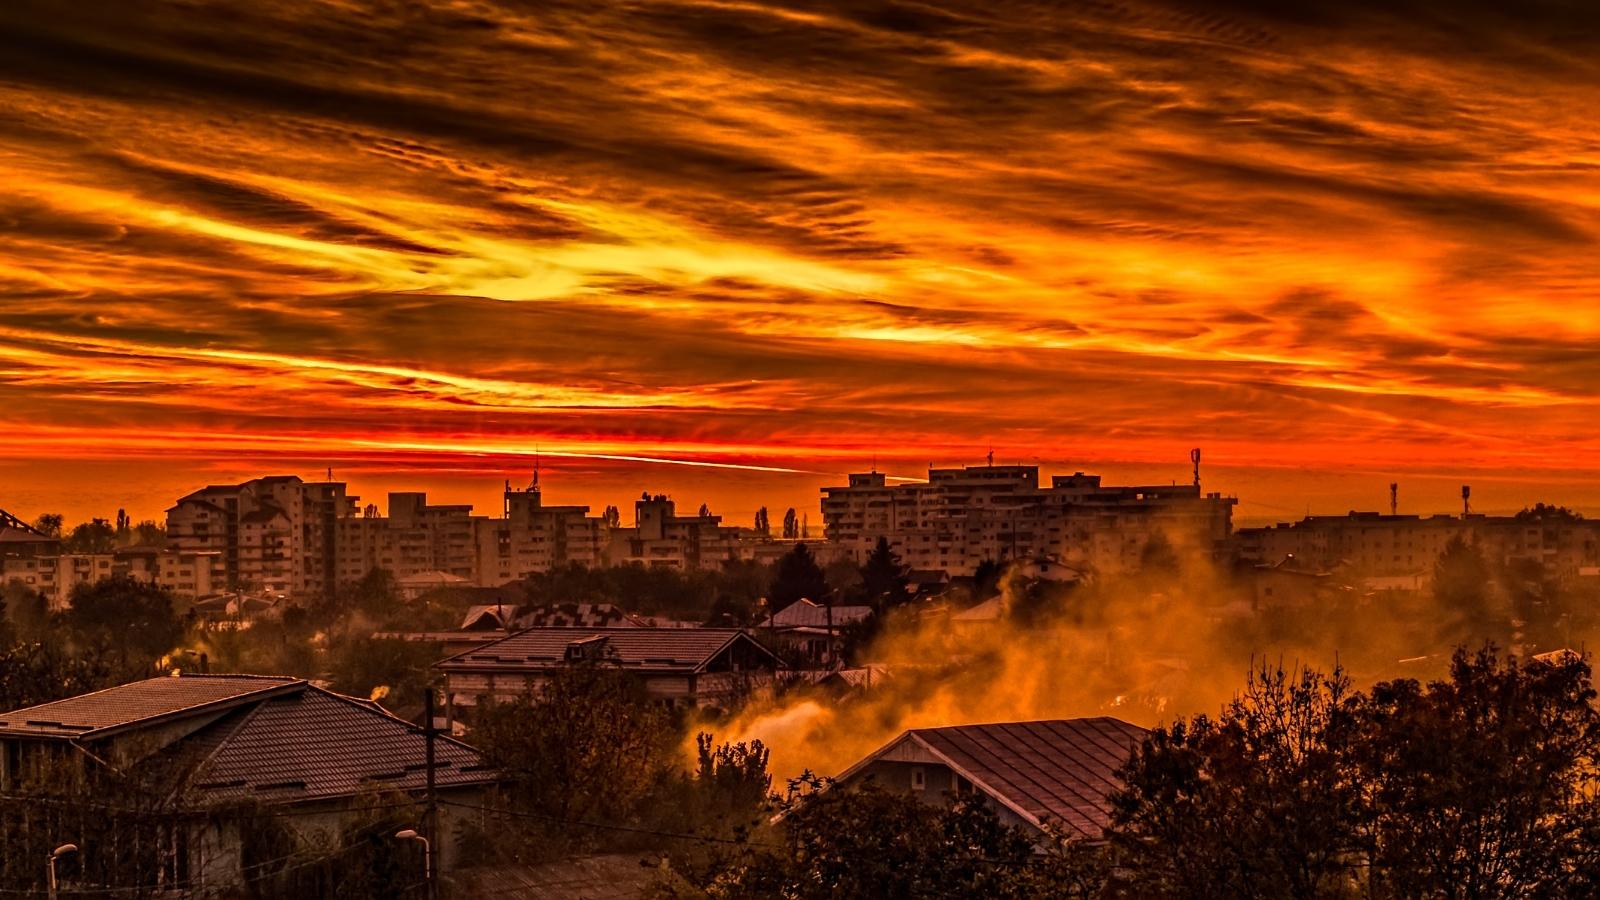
x,y
919,779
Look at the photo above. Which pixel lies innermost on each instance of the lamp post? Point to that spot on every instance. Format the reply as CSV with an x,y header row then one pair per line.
x,y
56,854
410,834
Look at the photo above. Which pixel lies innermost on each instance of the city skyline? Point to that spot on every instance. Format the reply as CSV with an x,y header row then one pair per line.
x,y
1263,495
1326,245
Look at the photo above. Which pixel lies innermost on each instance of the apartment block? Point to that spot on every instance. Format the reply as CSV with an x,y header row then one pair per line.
x,y
276,534
661,537
960,517
1372,545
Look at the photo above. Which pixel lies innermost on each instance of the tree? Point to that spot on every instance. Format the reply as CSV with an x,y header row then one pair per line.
x,y
1482,785
613,517
27,610
145,534
791,525
1254,803
96,536
1461,590
704,510
48,524
883,578
869,843
588,745
1479,786
986,579
394,672
798,576
132,619
763,526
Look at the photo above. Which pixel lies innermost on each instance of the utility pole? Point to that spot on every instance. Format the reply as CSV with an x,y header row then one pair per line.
x,y
432,813
831,658
1394,498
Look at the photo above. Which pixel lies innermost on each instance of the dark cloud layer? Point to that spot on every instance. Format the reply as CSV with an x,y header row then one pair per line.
x,y
798,233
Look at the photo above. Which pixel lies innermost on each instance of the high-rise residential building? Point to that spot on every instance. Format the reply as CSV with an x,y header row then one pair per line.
x,y
277,534
535,537
959,518
661,537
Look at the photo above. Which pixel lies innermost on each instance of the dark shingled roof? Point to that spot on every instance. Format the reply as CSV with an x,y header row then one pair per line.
x,y
637,649
1057,770
805,613
93,715
314,744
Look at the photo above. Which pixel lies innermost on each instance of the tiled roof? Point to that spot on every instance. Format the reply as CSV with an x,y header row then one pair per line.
x,y
314,744
803,613
642,649
91,715
1053,771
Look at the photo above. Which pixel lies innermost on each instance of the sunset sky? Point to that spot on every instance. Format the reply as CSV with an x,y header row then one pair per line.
x,y
1335,245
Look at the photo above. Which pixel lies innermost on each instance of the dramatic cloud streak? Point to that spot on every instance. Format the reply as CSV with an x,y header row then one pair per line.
x,y
793,235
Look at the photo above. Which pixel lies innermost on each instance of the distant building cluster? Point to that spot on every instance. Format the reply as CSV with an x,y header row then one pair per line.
x,y
1402,549
283,537
959,518
294,537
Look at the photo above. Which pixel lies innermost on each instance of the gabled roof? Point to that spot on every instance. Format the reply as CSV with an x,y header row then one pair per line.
x,y
14,530
803,613
105,712
1052,771
686,650
575,615
313,744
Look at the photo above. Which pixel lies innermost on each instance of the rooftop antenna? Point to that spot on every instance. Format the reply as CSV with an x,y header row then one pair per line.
x,y
1466,500
1194,457
535,485
991,457
330,473
1394,498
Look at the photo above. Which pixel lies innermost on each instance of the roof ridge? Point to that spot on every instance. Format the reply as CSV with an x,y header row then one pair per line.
x,y
372,706
125,684
222,742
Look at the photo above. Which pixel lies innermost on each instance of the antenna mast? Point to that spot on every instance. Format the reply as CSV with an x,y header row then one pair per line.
x,y
1394,498
1466,500
1194,457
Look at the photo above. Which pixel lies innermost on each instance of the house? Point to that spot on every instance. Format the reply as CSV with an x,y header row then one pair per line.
x,y
981,615
1287,583
20,540
220,747
1057,773
678,666
811,630
414,584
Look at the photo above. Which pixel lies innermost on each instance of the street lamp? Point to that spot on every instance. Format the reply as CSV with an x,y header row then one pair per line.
x,y
410,834
56,854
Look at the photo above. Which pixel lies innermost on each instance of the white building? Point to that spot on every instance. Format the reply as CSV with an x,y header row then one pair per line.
x,y
960,517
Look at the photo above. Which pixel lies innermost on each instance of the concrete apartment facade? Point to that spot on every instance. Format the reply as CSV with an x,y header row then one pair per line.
x,y
960,517
1372,545
276,534
661,537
